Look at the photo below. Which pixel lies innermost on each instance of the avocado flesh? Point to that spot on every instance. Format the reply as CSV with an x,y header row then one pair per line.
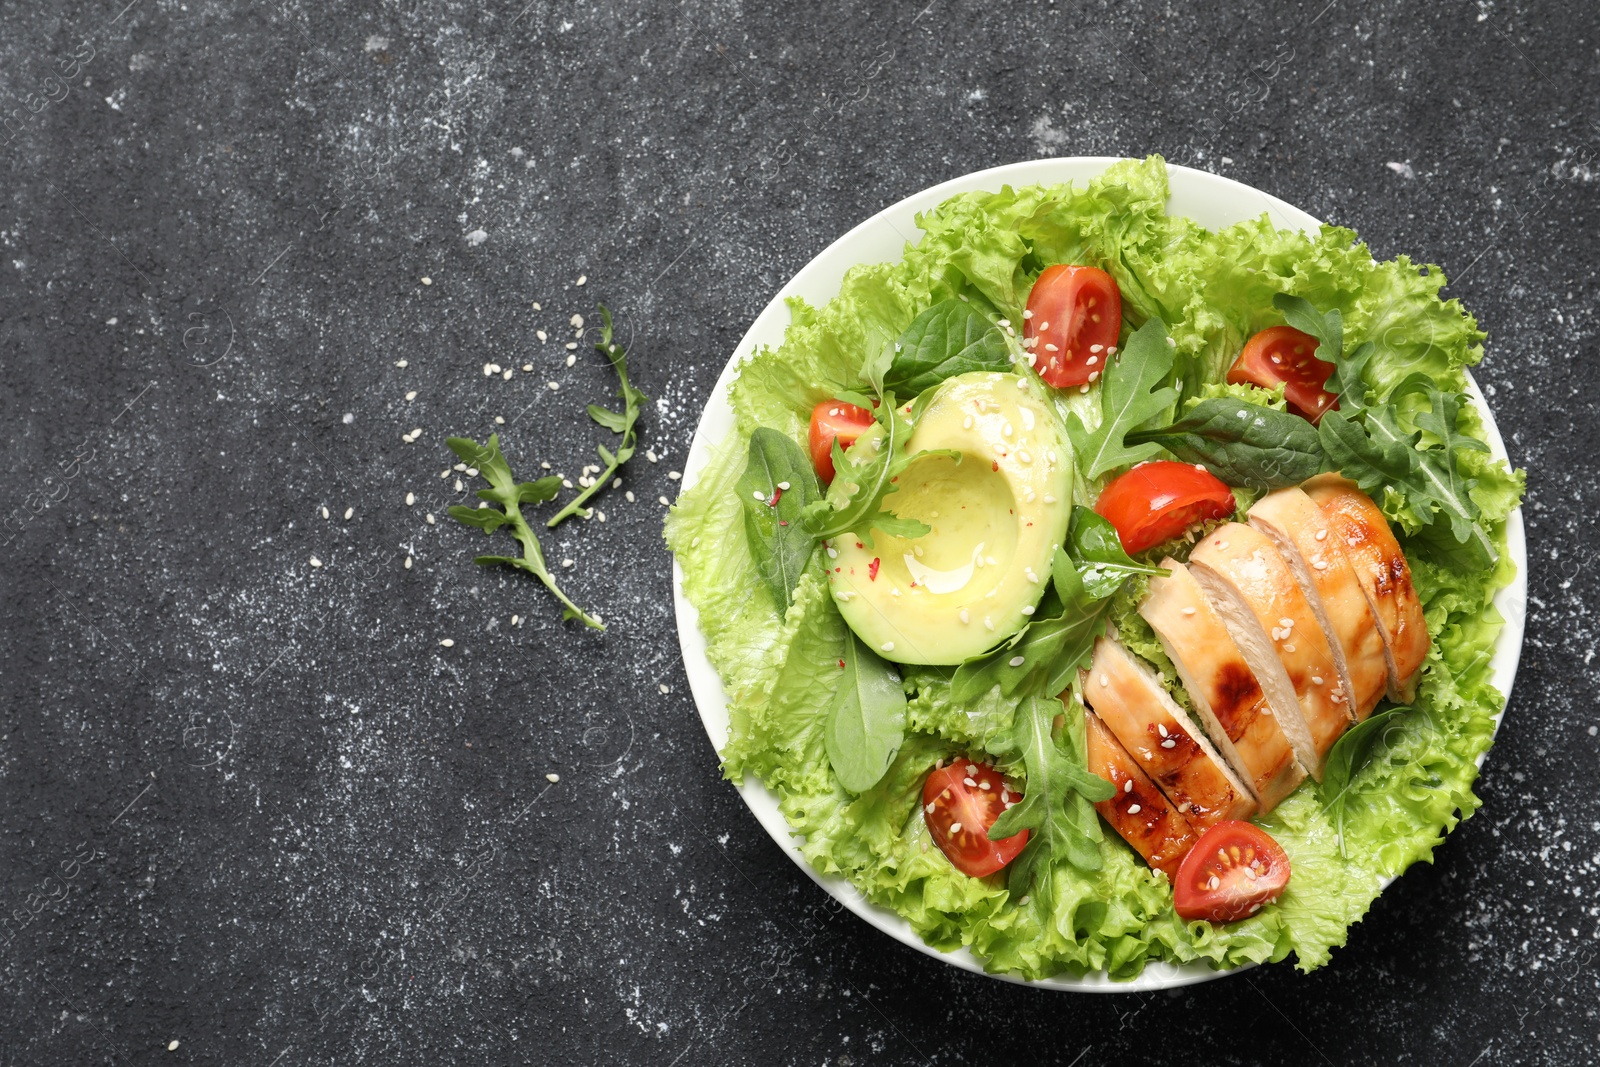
x,y
997,518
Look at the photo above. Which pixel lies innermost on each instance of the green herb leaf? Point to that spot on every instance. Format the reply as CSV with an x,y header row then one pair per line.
x,y
863,476
506,496
1057,805
1346,758
1243,444
1101,564
624,422
1328,328
866,720
1129,397
777,484
950,338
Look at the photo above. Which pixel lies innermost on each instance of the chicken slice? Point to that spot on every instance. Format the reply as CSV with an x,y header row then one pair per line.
x,y
1303,536
1261,604
1385,577
1138,811
1225,692
1162,738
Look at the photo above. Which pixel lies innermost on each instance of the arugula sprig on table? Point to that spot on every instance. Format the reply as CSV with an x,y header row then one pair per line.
x,y
622,422
505,497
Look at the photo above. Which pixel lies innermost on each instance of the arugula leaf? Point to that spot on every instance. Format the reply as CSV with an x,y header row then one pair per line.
x,y
952,337
1098,552
777,484
1129,397
864,476
506,492
1379,453
621,422
866,720
1345,759
1367,440
1243,444
1328,328
1057,806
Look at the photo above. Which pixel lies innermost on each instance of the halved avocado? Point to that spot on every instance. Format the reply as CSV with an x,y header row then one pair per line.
x,y
997,517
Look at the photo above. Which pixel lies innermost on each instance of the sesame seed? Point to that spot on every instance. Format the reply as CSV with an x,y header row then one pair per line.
x,y
1134,809
448,642
1017,661
665,688
459,486
1188,611
411,395
325,511
516,620
1222,544
552,778
1288,648
571,345
955,828
969,783
402,363
583,279
1051,348
315,562
1322,535
1162,727
527,367
1022,901
538,306
988,623
965,616
1049,498
408,563
629,496
887,646
472,472
1091,361
1028,610
568,563
1169,743
1316,679
674,475
541,335
411,498
553,385
1320,564
1022,383
576,322
664,501
650,454
349,512
1097,348
1083,388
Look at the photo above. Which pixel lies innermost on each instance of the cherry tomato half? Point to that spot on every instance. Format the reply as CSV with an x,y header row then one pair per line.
x,y
1284,354
1073,321
1155,502
834,419
1231,873
960,801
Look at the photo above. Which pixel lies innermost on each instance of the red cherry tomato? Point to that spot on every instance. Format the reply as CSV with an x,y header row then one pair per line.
x,y
1155,502
960,802
835,419
1284,354
1074,318
1231,873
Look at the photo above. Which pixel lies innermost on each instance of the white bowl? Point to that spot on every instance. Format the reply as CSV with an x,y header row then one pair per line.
x,y
1212,201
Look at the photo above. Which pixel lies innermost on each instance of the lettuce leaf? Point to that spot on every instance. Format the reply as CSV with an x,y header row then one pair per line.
x,y
1212,289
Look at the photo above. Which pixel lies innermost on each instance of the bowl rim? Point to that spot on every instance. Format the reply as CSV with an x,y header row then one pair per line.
x,y
1191,192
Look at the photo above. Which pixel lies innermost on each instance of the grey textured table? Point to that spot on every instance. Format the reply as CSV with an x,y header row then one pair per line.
x,y
256,808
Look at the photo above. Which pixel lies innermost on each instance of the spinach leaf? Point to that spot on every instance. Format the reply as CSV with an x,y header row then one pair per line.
x,y
1057,806
866,721
1097,556
1243,444
950,338
1131,394
1346,758
777,484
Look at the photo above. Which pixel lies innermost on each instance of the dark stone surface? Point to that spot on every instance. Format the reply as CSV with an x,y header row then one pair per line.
x,y
256,808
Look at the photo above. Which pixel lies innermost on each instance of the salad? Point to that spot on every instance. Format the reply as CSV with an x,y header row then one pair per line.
x,y
1092,588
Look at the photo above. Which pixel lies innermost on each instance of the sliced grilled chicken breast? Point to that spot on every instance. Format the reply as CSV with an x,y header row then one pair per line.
x,y
1162,739
1302,533
1139,812
1261,604
1385,577
1225,692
